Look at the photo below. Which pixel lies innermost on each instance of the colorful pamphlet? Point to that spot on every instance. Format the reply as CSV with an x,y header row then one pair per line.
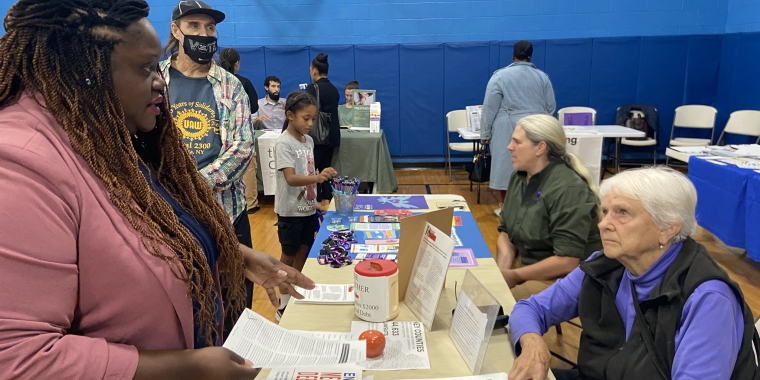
x,y
379,235
375,226
366,248
376,256
381,241
463,257
379,218
400,213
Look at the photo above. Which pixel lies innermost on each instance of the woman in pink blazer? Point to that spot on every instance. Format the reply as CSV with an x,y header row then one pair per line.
x,y
113,250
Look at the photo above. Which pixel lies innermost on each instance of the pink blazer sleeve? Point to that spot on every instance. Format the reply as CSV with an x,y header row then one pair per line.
x,y
39,214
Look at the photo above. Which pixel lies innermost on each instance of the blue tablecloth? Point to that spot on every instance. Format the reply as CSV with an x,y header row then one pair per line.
x,y
468,232
725,205
753,217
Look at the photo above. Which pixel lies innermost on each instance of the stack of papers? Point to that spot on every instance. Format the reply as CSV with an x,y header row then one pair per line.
x,y
268,345
405,344
344,372
749,150
331,294
742,162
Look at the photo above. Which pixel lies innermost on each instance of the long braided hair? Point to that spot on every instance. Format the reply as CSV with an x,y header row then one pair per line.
x,y
60,50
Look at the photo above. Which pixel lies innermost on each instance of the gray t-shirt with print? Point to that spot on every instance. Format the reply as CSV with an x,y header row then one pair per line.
x,y
291,153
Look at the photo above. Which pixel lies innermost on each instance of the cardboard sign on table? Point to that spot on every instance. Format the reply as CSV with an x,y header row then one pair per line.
x,y
410,236
429,274
588,149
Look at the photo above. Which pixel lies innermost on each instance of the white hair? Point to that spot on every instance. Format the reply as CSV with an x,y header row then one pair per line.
x,y
666,194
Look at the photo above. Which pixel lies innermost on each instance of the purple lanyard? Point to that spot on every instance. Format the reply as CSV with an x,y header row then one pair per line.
x,y
335,249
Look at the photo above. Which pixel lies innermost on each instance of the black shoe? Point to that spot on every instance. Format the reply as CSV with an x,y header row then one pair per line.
x,y
253,210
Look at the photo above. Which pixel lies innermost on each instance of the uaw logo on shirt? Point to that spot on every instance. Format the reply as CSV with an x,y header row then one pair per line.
x,y
196,120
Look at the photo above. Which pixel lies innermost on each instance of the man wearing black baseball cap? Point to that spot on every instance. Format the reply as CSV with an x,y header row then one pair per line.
x,y
211,108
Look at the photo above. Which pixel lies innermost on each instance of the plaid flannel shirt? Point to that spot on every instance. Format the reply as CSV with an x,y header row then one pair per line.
x,y
225,174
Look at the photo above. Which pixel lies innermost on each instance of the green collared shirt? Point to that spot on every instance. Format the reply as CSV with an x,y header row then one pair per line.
x,y
555,214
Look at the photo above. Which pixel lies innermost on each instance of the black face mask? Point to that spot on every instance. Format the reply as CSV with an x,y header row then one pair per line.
x,y
275,97
200,49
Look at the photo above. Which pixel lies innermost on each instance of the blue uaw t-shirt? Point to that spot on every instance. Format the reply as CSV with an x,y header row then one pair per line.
x,y
196,115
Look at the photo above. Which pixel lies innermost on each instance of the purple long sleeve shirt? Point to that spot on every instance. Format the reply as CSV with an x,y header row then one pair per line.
x,y
708,336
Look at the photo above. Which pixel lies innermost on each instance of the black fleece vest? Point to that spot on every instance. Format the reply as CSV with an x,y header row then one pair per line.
x,y
648,354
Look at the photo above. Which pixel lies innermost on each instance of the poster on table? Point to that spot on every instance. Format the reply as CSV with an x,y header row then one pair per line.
x,y
588,148
391,202
361,103
473,117
266,143
412,230
374,117
429,274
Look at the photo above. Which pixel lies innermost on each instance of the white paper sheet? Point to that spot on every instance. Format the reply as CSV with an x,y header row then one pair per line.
x,y
342,372
740,150
467,329
456,238
744,163
429,274
473,117
328,294
405,345
268,345
493,376
329,335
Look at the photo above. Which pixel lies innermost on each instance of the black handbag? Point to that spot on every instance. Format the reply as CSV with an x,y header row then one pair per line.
x,y
481,166
320,131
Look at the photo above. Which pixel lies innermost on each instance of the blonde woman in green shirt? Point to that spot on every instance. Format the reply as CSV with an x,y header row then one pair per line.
x,y
346,111
550,214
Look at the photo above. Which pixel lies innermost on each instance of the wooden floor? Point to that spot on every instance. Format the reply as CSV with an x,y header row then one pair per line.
x,y
740,268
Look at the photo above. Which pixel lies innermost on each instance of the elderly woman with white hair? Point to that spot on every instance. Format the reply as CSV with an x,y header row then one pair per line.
x,y
549,216
653,303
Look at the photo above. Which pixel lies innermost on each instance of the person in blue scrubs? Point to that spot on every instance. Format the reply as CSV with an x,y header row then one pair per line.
x,y
653,303
512,93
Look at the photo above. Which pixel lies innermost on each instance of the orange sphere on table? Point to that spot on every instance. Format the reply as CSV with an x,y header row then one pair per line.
x,y
375,343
